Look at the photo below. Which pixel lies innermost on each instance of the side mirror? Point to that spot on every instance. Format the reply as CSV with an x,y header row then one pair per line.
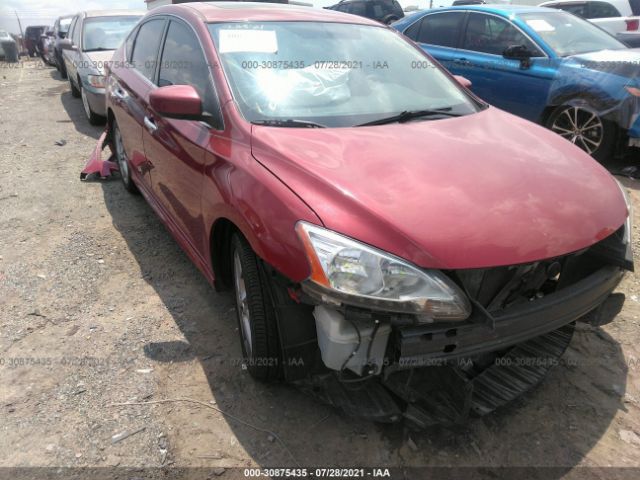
x,y
181,102
62,34
66,44
518,52
465,82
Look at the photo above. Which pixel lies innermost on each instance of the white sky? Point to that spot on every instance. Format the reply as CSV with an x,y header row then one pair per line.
x,y
39,12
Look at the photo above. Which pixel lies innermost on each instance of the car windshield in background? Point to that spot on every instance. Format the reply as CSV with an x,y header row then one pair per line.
x,y
106,33
331,74
568,35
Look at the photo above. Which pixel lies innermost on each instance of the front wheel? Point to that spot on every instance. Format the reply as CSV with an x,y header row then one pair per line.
x,y
582,126
74,90
256,315
93,117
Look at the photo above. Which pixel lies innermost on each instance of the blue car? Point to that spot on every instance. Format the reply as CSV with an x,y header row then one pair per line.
x,y
542,64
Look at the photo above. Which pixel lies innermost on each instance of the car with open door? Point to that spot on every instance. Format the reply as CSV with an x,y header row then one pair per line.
x,y
387,235
542,64
87,48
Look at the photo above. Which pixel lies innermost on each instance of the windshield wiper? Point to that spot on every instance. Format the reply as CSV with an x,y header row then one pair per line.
x,y
410,114
292,123
99,49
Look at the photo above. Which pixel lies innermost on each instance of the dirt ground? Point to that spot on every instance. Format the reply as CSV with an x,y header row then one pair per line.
x,y
99,306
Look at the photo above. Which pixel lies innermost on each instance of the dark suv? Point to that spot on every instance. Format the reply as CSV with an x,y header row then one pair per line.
x,y
32,39
384,11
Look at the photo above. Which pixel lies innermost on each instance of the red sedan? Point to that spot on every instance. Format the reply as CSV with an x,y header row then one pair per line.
x,y
395,244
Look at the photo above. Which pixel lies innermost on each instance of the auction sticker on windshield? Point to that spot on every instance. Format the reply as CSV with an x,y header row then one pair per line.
x,y
237,40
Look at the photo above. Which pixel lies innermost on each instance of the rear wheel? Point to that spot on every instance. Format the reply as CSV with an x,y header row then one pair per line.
x,y
256,315
582,126
123,161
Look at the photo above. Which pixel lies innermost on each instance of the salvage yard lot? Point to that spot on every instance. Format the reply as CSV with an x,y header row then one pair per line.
x,y
99,306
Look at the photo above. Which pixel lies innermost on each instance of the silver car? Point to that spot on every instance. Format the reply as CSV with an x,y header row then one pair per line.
x,y
92,38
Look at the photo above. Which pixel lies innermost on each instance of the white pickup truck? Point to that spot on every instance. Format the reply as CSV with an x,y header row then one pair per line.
x,y
621,18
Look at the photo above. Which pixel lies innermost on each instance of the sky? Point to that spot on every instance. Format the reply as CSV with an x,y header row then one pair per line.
x,y
38,12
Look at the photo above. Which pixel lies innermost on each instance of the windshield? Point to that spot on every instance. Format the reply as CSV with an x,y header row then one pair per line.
x,y
106,33
332,74
568,35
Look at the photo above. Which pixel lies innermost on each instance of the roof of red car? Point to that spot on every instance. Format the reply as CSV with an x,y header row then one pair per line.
x,y
248,11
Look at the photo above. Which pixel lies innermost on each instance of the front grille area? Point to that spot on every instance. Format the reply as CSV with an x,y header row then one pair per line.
x,y
499,288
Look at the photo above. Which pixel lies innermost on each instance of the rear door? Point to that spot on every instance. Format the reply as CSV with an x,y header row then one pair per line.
x,y
129,89
439,35
176,148
503,82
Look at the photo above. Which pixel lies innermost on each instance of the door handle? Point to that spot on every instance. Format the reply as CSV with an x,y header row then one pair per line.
x,y
462,61
150,124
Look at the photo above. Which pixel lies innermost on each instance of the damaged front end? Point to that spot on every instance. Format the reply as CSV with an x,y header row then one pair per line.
x,y
386,365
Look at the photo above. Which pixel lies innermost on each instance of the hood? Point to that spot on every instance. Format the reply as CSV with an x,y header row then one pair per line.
x,y
99,59
624,63
482,190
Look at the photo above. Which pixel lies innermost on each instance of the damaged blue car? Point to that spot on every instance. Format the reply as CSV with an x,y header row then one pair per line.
x,y
542,64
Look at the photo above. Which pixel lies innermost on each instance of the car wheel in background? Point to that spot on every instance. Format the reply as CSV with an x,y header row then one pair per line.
x,y
122,160
256,315
93,117
74,90
583,126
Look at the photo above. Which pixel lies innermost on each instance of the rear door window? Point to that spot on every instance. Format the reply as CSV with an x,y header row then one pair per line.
x,y
602,10
441,29
146,46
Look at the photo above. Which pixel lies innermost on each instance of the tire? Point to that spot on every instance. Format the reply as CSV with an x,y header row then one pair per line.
x,y
122,160
591,133
75,93
256,316
60,65
93,117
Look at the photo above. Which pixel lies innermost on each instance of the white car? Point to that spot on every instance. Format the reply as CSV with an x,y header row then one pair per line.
x,y
621,18
4,37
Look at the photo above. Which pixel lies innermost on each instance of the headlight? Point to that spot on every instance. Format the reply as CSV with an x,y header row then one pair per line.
x,y
357,274
97,81
628,222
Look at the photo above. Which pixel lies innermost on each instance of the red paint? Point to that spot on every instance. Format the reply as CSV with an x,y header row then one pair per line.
x,y
176,101
482,190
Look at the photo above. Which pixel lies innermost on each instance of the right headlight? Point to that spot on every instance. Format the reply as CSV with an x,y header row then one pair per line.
x,y
350,272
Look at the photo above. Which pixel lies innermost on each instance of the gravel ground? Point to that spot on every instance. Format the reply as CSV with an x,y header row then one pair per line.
x,y
99,306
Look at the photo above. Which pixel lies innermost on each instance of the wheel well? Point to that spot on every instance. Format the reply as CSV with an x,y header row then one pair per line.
x,y
220,249
546,113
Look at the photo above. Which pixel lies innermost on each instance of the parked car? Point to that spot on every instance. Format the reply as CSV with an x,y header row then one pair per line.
x,y
47,43
60,30
384,11
342,204
608,15
8,41
92,38
32,39
545,65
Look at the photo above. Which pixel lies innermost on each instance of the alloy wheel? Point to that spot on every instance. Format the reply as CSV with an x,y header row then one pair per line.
x,y
121,156
85,103
242,303
580,126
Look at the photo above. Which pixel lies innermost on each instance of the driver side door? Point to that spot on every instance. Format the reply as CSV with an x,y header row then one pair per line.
x,y
506,83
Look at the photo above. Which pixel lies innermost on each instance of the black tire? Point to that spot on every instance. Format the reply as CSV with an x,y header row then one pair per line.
x,y
93,117
61,66
605,132
261,350
75,93
122,160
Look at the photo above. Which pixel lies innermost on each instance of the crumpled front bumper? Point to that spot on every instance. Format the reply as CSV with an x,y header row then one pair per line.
x,y
96,164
